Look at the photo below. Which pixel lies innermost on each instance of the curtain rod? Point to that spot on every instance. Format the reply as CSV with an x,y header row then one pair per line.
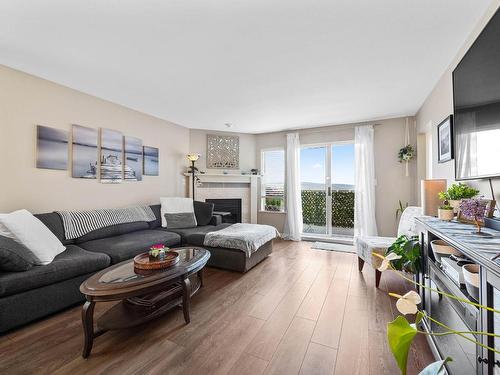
x,y
329,128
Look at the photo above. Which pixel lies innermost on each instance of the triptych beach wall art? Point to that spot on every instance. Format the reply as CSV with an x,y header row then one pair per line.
x,y
114,159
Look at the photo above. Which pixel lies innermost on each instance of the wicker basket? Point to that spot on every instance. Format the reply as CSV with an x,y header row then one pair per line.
x,y
143,262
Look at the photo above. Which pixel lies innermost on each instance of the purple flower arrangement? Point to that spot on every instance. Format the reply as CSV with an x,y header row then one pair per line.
x,y
474,209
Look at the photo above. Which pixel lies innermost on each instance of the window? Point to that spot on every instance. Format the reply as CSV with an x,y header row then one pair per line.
x,y
273,180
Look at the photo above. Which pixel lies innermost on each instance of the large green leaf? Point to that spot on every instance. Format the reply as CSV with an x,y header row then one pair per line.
x,y
400,335
436,368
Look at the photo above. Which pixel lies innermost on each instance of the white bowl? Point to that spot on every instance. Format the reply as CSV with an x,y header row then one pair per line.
x,y
471,277
442,249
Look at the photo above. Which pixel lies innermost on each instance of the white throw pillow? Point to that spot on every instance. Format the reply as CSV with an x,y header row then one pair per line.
x,y
175,205
4,231
33,234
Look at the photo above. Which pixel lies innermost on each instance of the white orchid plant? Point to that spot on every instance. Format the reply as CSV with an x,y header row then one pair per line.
x,y
400,332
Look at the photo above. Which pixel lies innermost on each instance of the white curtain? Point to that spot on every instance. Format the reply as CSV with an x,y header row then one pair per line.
x,y
365,223
293,223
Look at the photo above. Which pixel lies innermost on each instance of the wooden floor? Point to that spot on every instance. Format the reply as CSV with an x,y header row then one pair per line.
x,y
301,311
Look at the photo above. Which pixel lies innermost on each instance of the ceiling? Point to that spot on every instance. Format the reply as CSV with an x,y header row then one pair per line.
x,y
261,65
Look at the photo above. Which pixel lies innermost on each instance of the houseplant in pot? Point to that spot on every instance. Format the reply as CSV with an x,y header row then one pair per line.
x,y
456,192
446,212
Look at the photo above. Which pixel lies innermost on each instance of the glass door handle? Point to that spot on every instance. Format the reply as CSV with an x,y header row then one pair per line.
x,y
329,191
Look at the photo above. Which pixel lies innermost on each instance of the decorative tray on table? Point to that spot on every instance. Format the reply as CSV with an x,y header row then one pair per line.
x,y
144,262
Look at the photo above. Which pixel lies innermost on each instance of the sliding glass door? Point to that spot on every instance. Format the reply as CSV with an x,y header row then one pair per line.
x,y
313,181
327,182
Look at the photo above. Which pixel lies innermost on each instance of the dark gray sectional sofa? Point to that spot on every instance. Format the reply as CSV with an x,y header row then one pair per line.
x,y
43,290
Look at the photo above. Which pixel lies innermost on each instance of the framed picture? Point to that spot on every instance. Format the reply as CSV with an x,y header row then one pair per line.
x,y
111,156
445,140
223,152
132,165
151,160
51,148
85,152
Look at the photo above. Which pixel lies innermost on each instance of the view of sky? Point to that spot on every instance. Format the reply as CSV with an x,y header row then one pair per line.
x,y
312,165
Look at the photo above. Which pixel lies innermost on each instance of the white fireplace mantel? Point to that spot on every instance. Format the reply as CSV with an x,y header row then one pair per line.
x,y
227,190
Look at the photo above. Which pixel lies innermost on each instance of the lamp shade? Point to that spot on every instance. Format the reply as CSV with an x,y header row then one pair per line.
x,y
430,200
193,156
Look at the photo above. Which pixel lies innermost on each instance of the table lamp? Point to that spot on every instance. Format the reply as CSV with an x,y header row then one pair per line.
x,y
430,200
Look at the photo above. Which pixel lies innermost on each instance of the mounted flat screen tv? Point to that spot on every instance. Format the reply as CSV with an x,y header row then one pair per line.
x,y
476,94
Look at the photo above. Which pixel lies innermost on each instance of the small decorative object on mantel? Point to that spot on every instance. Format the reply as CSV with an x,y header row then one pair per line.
x,y
406,153
223,151
445,140
474,209
254,171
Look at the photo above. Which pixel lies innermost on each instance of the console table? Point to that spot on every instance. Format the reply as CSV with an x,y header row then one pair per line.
x,y
468,358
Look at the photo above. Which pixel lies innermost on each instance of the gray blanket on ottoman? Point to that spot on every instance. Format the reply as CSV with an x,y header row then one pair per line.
x,y
245,237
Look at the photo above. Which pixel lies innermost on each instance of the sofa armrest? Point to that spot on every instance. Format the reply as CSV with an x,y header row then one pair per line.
x,y
215,220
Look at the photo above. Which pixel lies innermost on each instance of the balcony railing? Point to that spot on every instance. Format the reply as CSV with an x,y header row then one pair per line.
x,y
314,206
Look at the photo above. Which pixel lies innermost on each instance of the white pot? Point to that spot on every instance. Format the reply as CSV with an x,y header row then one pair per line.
x,y
471,277
455,204
446,215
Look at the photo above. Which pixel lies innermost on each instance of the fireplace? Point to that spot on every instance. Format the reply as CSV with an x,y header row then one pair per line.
x,y
233,206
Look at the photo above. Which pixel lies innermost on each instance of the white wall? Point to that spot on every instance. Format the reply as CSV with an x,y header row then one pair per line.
x,y
392,184
438,105
248,158
26,101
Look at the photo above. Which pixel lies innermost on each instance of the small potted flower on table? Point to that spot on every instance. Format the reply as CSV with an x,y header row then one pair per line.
x,y
157,252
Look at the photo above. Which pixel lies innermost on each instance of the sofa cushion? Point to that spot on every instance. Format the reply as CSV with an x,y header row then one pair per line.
x,y
126,246
113,230
72,262
157,211
53,221
32,233
196,236
15,257
180,220
204,212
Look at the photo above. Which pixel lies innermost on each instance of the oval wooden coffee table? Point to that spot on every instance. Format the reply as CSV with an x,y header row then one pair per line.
x,y
144,295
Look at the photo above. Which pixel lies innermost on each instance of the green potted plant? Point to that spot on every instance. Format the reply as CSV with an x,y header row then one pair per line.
x,y
456,192
446,212
408,251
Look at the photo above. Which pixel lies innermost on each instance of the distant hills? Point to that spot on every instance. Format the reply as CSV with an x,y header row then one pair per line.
x,y
277,189
317,186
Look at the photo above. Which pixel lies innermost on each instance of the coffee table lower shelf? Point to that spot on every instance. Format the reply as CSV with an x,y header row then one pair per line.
x,y
135,310
138,310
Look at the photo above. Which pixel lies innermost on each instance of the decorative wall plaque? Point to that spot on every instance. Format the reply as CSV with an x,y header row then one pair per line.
x,y
223,151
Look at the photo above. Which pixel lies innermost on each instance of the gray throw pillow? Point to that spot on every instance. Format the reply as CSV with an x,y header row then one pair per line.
x,y
180,220
15,257
203,212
